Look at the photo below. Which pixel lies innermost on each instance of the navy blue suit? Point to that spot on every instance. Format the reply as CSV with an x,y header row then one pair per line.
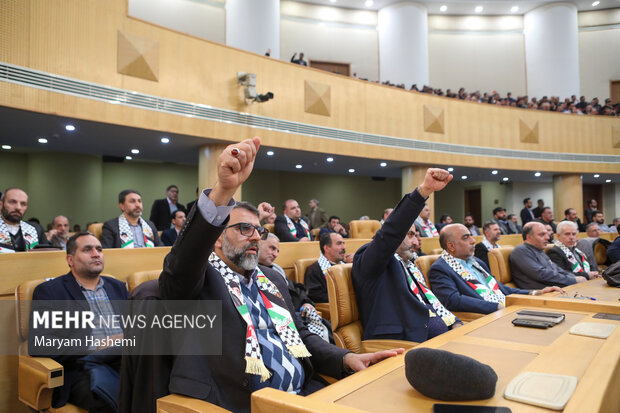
x,y
169,236
457,295
66,288
388,308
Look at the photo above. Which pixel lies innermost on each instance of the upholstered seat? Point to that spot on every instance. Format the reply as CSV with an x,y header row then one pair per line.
x,y
364,228
269,227
500,266
138,278
300,272
96,228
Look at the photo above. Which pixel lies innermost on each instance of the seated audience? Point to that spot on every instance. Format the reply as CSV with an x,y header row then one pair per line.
x,y
513,224
418,250
332,253
388,295
546,218
590,209
499,218
268,252
170,235
290,227
57,236
190,204
364,218
443,221
225,268
491,235
386,213
334,225
538,210
15,233
463,282
470,224
84,282
571,215
77,228
550,233
163,208
526,213
566,255
599,218
129,230
586,245
613,250
424,225
531,268
614,225
317,217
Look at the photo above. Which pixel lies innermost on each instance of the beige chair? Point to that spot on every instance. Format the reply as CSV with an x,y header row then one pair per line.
x,y
600,255
175,403
138,278
300,272
499,264
315,233
347,326
364,228
269,227
96,229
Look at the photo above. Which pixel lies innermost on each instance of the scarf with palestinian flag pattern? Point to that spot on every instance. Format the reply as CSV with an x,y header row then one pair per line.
x,y
276,308
576,258
29,233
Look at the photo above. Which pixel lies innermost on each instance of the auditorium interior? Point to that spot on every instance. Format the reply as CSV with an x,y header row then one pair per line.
x,y
98,96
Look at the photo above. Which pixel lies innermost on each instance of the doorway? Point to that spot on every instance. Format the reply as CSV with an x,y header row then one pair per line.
x,y
614,91
473,205
592,191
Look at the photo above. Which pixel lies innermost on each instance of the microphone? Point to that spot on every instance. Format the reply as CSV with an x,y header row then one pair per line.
x,y
443,375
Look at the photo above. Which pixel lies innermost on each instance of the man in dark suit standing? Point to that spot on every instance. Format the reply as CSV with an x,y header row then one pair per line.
x,y
216,258
85,284
538,210
463,282
170,235
163,208
129,230
390,300
526,213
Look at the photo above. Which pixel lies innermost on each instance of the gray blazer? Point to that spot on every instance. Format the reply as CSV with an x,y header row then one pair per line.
x,y
532,269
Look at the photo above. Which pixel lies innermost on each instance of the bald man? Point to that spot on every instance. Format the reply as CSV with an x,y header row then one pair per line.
x,y
531,268
15,233
463,282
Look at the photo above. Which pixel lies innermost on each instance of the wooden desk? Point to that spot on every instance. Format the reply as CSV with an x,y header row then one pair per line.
x,y
597,288
492,340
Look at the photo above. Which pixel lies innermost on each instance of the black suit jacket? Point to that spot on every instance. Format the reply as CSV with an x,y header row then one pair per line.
x,y
169,236
281,230
66,288
526,216
160,213
482,253
110,237
387,307
316,283
537,212
560,259
222,379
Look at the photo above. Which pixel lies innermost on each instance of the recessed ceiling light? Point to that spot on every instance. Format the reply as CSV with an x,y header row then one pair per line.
x,y
443,8
165,140
332,1
330,159
298,166
608,180
494,172
450,169
369,3
537,174
6,147
270,153
596,175
383,164
135,151
478,9
70,128
115,102
514,9
505,178
129,158
351,170
596,3
42,140
464,177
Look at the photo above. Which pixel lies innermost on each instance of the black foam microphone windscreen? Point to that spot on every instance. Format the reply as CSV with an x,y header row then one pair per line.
x,y
447,376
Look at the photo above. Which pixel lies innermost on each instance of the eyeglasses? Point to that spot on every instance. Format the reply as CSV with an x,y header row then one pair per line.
x,y
247,230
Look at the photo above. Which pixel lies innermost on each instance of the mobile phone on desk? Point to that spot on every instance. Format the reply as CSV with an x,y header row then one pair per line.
x,y
522,322
464,408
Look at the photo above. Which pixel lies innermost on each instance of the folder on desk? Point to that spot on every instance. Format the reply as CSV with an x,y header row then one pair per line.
x,y
549,317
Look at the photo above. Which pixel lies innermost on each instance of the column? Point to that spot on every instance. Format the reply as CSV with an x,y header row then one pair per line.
x,y
552,51
207,167
254,26
403,44
567,193
411,177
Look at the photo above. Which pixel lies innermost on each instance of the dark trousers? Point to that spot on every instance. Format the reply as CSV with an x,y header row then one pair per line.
x,y
83,397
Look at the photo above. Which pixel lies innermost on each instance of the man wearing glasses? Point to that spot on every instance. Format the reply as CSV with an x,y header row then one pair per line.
x,y
264,343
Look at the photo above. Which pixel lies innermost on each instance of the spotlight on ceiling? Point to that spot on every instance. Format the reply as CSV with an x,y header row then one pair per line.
x,y
42,140
165,140
494,172
537,174
270,153
443,8
330,159
70,128
478,9
450,169
135,151
383,164
298,166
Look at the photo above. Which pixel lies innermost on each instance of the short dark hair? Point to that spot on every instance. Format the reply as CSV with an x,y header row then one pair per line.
x,y
510,216
124,193
333,217
596,211
487,225
174,214
171,186
444,218
526,200
498,209
325,240
72,242
544,209
567,211
248,207
541,200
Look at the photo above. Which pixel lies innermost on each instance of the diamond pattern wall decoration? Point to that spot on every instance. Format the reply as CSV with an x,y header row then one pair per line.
x,y
528,132
137,56
317,98
433,119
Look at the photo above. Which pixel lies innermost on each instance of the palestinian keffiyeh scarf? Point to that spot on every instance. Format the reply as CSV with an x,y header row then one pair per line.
x,y
293,230
488,244
413,271
428,228
315,324
324,264
576,258
492,293
126,234
276,308
29,233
